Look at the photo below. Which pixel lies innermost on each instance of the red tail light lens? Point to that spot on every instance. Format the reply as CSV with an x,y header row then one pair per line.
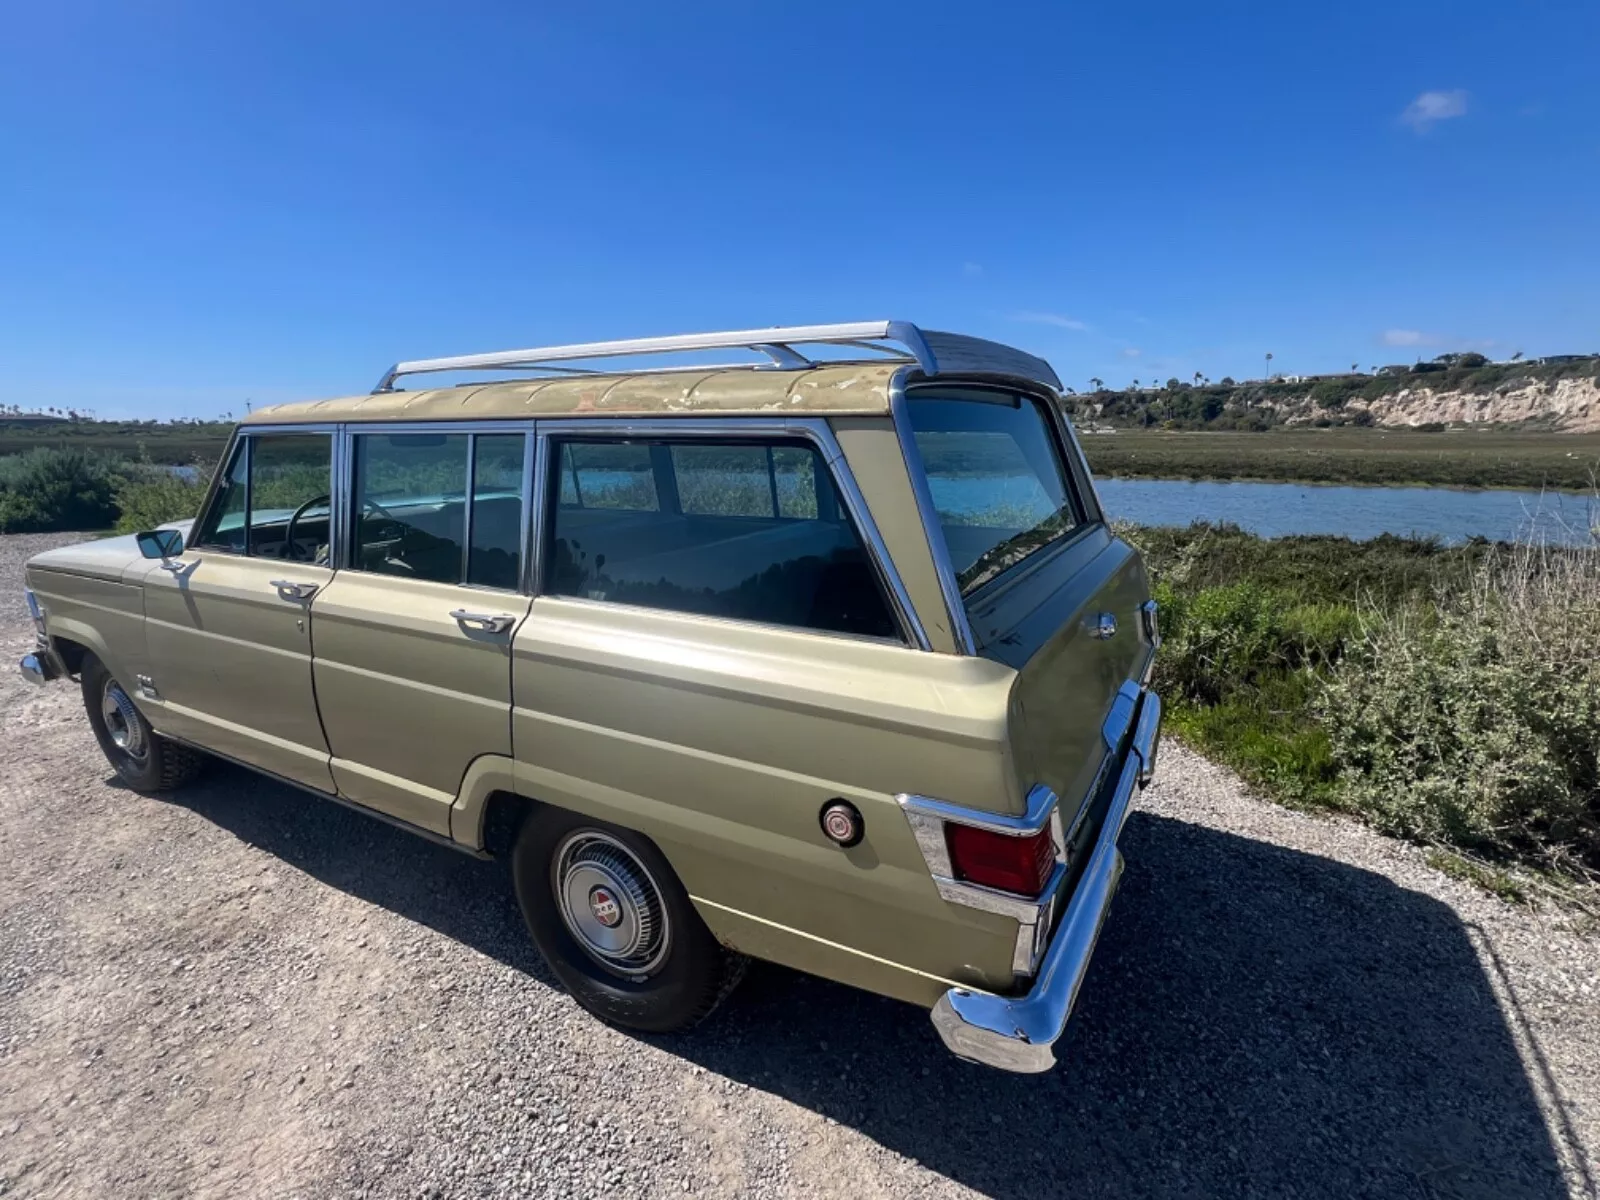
x,y
997,860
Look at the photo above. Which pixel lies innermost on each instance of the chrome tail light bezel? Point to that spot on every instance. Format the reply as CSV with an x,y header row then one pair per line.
x,y
1035,915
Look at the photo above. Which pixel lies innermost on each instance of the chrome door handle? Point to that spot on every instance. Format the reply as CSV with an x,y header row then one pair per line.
x,y
289,590
488,622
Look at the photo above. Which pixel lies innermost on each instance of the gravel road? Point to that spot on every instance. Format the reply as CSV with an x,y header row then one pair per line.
x,y
245,991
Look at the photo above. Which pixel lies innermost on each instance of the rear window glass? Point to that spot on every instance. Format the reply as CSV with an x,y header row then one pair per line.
x,y
998,484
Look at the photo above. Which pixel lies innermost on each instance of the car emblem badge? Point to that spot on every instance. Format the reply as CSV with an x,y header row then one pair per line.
x,y
1104,626
604,906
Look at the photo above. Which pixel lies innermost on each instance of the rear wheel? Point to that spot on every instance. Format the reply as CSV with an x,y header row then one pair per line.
x,y
615,924
142,758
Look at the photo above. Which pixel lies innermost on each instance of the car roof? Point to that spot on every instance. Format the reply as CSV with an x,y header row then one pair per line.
x,y
853,389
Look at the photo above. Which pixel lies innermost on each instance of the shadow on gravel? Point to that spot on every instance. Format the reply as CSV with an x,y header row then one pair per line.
x,y
1257,1022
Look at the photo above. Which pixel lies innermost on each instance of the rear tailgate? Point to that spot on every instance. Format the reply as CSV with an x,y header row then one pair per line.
x,y
1074,631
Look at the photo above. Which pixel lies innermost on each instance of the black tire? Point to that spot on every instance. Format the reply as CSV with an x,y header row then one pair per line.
x,y
142,758
677,983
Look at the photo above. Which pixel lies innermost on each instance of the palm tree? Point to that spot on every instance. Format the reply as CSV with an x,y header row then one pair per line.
x,y
1517,357
1197,378
1354,367
1098,384
1269,364
1136,385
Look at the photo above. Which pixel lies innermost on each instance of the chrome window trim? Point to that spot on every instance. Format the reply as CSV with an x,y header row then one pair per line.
x,y
814,429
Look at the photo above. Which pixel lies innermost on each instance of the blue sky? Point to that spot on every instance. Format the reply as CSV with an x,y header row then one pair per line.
x,y
202,204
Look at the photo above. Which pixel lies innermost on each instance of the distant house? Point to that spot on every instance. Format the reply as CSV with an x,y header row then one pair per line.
x,y
1551,359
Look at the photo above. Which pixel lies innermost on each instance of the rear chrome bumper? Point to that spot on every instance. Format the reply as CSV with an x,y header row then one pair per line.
x,y
1018,1033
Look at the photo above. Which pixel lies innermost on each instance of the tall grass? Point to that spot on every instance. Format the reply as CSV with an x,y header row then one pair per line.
x,y
1478,723
1446,694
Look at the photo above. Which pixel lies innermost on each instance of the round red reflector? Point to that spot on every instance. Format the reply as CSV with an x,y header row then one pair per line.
x,y
841,822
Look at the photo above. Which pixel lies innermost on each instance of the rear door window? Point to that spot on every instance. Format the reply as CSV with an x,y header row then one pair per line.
x,y
995,472
413,512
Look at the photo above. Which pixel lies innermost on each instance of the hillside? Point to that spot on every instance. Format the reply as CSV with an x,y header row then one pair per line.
x,y
1554,394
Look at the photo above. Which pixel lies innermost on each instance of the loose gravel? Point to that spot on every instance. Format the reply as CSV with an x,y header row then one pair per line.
x,y
245,991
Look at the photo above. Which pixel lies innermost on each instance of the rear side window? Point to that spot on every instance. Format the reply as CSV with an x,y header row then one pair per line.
x,y
753,531
994,470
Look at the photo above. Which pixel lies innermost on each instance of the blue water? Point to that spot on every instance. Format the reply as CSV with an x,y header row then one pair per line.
x,y
1276,509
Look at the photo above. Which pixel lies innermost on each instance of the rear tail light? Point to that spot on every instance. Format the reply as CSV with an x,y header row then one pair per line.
x,y
997,860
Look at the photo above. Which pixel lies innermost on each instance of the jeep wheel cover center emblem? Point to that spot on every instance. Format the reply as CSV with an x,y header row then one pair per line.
x,y
605,907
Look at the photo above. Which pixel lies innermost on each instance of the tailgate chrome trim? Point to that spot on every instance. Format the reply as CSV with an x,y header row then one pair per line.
x,y
1018,1033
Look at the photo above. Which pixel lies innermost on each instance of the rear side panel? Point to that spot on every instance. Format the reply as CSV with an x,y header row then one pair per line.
x,y
723,742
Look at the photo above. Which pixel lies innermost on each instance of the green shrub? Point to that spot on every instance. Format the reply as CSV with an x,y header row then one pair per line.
x,y
1480,727
150,497
51,490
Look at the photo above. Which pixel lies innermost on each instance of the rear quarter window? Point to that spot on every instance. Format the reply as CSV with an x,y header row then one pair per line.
x,y
749,530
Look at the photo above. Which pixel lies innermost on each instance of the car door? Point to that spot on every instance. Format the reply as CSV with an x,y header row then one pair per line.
x,y
228,628
413,637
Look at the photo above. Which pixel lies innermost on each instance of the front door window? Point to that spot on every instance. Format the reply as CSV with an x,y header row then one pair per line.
x,y
273,499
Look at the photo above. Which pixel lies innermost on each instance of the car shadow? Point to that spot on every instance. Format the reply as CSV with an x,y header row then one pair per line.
x,y
1257,1021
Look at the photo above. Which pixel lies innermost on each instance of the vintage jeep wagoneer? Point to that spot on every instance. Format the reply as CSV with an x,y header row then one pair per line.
x,y
828,658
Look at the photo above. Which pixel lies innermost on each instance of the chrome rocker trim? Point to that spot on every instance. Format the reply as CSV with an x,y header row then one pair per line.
x,y
1018,1033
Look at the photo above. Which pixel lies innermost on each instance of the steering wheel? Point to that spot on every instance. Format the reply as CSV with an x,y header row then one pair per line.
x,y
291,548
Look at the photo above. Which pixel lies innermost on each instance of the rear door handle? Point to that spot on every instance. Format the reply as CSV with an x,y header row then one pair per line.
x,y
289,590
488,622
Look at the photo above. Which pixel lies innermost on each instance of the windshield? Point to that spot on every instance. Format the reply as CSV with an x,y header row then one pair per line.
x,y
996,476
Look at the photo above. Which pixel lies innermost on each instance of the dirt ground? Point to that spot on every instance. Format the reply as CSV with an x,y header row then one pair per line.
x,y
244,991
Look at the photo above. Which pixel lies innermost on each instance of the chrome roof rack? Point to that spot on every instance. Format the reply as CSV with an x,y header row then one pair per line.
x,y
934,352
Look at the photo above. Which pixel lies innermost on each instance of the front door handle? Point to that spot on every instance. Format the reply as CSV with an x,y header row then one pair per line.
x,y
289,590
488,622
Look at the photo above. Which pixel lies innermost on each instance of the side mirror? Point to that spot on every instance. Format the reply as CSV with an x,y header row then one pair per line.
x,y
160,543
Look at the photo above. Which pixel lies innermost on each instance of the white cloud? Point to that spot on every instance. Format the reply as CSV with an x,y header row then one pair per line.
x,y
1131,352
1403,337
1432,107
1047,318
971,269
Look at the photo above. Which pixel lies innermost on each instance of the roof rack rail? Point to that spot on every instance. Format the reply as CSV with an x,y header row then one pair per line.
x,y
934,352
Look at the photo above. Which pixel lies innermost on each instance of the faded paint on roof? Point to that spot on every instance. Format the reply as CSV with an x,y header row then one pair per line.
x,y
847,389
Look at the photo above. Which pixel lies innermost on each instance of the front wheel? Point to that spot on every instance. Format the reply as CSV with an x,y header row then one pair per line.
x,y
615,924
142,758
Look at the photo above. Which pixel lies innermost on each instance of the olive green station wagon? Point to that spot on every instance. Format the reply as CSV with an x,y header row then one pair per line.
x,y
826,657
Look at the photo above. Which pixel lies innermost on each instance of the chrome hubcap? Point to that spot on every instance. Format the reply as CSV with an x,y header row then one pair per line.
x,y
610,904
122,721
